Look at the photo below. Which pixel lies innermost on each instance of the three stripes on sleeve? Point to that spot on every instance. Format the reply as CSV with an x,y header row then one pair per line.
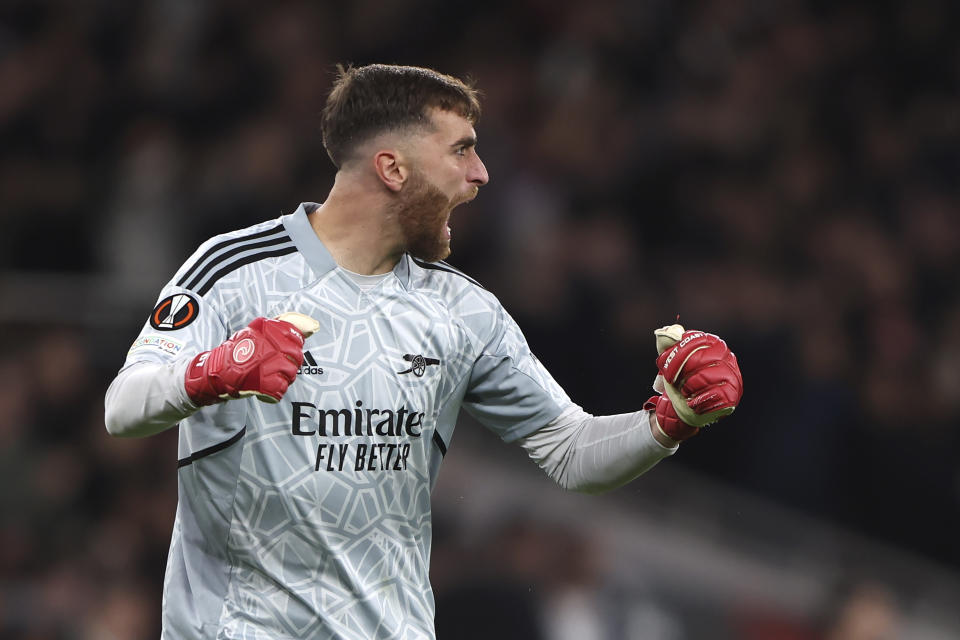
x,y
231,254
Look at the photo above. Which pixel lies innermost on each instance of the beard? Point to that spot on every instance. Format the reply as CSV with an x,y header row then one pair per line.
x,y
423,211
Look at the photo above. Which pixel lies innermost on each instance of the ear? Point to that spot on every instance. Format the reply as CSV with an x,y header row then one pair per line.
x,y
390,169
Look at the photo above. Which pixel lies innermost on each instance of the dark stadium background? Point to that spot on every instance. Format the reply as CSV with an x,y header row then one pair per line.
x,y
781,173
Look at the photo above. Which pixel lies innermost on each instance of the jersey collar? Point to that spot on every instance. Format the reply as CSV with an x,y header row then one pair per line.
x,y
316,254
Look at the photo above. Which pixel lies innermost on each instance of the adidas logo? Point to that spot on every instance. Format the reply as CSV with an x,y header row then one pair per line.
x,y
310,366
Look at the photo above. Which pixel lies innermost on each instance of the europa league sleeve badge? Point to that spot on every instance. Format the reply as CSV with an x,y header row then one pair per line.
x,y
174,312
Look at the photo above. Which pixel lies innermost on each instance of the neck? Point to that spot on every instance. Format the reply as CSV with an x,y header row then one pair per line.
x,y
355,225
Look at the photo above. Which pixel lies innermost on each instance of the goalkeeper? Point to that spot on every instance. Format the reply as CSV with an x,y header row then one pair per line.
x,y
316,365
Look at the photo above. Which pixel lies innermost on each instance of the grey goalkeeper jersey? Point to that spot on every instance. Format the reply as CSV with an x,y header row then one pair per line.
x,y
310,518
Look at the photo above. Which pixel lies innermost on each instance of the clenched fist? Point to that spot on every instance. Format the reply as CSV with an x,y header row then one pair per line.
x,y
259,360
700,378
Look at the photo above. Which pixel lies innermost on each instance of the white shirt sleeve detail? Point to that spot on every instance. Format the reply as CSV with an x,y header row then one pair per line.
x,y
146,398
593,454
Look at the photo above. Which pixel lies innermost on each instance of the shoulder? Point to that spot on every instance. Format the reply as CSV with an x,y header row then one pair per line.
x,y
450,284
227,252
441,271
463,297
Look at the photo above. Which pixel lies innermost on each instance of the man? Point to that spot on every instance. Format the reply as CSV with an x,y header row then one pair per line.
x,y
316,365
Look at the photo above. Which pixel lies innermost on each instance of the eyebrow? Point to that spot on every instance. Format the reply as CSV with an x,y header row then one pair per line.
x,y
465,141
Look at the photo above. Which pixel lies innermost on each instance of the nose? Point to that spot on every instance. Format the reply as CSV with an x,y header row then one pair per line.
x,y
478,172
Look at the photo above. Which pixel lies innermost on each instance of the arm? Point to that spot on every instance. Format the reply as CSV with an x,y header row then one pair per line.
x,y
511,393
260,360
593,454
146,398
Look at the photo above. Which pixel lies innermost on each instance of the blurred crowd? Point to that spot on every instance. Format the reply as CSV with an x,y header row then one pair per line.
x,y
535,581
781,173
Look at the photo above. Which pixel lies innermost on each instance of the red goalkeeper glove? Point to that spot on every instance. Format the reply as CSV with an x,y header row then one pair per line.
x,y
700,377
670,423
259,360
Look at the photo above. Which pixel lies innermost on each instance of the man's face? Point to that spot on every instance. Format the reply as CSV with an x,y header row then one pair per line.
x,y
445,172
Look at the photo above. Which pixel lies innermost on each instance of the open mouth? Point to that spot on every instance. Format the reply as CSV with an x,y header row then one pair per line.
x,y
453,205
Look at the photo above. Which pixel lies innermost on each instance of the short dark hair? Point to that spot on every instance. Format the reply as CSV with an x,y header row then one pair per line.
x,y
366,101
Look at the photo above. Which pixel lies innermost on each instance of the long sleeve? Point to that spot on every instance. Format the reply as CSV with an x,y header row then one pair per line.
x,y
146,398
593,454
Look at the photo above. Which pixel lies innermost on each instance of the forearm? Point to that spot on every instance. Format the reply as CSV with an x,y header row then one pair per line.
x,y
593,454
147,398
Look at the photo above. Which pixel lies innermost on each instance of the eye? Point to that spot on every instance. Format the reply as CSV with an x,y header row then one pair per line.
x,y
461,151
